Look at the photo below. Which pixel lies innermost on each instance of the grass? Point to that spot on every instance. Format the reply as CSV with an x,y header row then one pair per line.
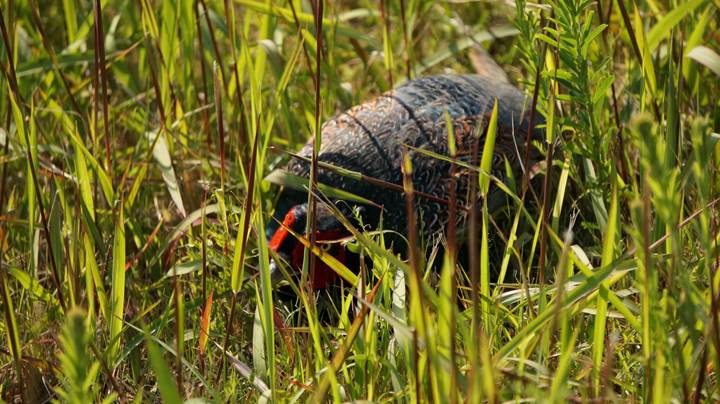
x,y
136,136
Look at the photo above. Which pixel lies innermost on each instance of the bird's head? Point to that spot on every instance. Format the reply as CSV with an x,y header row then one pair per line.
x,y
290,249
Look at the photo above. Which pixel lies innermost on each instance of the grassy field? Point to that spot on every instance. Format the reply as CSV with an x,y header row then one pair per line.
x,y
135,136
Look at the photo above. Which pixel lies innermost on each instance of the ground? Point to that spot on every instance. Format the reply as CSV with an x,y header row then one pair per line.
x,y
136,136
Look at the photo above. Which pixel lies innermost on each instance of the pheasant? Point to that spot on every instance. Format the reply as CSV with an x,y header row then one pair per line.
x,y
371,138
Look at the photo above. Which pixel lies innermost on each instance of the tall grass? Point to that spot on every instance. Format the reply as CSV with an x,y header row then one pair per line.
x,y
137,137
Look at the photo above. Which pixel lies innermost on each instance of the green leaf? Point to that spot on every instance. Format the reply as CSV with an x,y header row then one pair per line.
x,y
165,380
591,36
665,26
306,18
184,268
105,184
162,158
706,57
608,254
93,278
84,183
70,19
188,222
694,39
238,263
258,339
488,150
609,274
117,283
32,285
11,331
266,303
78,369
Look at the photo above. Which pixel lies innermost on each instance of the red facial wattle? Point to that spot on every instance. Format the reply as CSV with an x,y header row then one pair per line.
x,y
282,232
324,276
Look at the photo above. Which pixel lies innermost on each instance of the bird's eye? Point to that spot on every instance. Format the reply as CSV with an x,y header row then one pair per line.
x,y
325,246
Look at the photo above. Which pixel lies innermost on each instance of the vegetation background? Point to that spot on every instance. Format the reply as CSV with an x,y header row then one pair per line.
x,y
135,136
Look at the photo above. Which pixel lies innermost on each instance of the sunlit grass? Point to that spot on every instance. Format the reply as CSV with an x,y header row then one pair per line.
x,y
140,146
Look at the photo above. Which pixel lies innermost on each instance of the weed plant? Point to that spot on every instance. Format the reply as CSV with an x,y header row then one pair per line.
x,y
136,138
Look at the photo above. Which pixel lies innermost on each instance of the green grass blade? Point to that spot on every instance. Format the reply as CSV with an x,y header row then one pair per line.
x,y
608,254
165,383
161,154
669,21
117,284
706,57
488,151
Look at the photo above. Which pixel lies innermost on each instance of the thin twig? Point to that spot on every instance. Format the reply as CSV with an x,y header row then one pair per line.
x,y
102,76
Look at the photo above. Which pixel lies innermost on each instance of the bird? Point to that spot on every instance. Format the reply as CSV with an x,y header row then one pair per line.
x,y
372,139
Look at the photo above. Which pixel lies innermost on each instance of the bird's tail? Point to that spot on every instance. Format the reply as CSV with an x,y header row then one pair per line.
x,y
486,66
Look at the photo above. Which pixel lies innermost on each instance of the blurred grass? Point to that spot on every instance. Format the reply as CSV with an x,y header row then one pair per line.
x,y
135,137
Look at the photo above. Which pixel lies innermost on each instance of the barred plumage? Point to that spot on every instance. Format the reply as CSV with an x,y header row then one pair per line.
x,y
370,139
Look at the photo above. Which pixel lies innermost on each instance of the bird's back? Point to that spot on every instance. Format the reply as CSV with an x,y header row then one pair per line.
x,y
369,138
